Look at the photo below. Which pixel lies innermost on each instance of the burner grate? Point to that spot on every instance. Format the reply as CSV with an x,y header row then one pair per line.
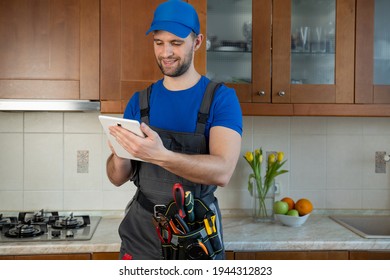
x,y
71,222
26,230
47,226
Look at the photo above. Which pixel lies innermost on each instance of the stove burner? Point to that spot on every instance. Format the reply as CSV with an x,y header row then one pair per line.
x,y
7,222
46,226
38,217
71,222
24,230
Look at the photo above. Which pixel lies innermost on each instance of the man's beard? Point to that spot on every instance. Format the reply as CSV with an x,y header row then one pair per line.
x,y
177,71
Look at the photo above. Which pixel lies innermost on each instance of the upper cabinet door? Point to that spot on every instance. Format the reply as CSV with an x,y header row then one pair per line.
x,y
313,51
128,63
372,81
49,49
239,46
127,57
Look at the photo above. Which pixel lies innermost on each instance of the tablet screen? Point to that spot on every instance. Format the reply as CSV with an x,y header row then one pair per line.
x,y
131,125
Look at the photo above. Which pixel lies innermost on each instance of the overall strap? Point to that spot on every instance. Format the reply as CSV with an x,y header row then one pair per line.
x,y
203,114
204,110
144,97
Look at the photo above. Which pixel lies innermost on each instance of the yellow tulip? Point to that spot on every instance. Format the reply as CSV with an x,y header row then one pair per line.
x,y
271,158
261,158
249,156
280,156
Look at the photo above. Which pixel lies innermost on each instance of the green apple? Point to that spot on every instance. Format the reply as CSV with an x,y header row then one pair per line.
x,y
293,212
280,207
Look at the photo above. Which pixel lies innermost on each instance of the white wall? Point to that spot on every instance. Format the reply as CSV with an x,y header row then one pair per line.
x,y
330,159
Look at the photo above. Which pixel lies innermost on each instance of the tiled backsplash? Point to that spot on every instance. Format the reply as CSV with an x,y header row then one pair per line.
x,y
331,161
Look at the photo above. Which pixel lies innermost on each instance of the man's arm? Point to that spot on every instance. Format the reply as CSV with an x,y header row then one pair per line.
x,y
215,168
118,169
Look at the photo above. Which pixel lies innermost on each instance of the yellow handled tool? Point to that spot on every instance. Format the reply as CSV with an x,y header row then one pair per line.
x,y
209,222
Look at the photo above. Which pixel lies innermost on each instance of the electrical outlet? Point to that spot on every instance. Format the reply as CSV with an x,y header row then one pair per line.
x,y
82,161
380,163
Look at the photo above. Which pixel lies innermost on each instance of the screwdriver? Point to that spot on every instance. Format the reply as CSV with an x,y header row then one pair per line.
x,y
189,203
209,222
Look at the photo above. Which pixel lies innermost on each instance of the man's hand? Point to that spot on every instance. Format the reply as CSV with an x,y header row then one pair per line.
x,y
215,168
149,149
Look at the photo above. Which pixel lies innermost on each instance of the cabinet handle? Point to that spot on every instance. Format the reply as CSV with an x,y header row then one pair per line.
x,y
281,93
261,93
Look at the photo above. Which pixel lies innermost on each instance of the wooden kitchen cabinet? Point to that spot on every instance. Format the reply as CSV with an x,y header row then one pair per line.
x,y
372,82
49,49
239,51
85,256
246,66
75,256
127,57
128,64
105,256
229,255
313,51
369,255
292,255
331,94
7,257
276,23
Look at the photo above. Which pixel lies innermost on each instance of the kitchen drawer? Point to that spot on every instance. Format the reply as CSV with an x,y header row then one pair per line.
x,y
292,255
54,257
369,255
105,256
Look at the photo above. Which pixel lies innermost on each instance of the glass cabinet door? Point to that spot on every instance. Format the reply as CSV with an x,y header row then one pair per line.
x,y
313,41
229,40
382,43
372,51
234,29
313,47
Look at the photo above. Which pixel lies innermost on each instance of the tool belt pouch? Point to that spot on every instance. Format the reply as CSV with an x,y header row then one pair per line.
x,y
198,243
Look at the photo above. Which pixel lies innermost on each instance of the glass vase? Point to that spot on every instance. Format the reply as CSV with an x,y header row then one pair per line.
x,y
263,202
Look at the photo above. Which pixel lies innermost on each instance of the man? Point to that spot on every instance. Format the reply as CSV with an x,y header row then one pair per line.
x,y
177,146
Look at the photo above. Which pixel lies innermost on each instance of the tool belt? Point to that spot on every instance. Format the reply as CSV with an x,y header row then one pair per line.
x,y
194,237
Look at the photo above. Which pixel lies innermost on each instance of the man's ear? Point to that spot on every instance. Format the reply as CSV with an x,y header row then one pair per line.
x,y
198,42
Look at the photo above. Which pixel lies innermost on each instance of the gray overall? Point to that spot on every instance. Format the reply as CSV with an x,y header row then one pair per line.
x,y
139,237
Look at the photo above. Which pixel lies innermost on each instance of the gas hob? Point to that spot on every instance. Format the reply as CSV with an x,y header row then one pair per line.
x,y
47,226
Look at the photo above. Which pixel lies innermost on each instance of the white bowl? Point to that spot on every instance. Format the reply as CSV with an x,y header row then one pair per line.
x,y
292,221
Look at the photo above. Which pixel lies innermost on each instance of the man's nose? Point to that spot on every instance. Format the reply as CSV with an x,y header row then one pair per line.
x,y
168,50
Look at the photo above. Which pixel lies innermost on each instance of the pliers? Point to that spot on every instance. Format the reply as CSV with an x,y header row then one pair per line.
x,y
163,230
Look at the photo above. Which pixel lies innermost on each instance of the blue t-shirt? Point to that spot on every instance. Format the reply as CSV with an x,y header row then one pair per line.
x,y
178,110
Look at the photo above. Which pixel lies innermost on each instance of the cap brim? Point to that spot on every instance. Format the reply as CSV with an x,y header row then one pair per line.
x,y
178,29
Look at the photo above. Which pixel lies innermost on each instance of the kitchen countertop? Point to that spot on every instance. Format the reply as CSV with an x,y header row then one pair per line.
x,y
240,234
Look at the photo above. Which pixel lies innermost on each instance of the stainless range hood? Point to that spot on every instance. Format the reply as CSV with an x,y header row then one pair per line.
x,y
48,105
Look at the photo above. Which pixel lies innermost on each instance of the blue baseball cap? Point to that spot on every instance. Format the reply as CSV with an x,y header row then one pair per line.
x,y
176,17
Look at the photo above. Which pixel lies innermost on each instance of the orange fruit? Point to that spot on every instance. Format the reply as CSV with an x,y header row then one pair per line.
x,y
304,206
290,202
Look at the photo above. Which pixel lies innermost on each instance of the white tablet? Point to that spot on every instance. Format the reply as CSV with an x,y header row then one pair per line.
x,y
130,125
